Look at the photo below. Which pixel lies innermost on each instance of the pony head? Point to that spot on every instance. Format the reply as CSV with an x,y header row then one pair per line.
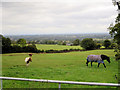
x,y
30,54
104,57
108,59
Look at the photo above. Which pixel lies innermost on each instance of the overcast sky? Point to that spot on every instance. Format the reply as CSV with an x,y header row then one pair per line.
x,y
57,16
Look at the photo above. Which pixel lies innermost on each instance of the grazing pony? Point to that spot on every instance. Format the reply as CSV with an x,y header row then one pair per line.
x,y
97,58
28,59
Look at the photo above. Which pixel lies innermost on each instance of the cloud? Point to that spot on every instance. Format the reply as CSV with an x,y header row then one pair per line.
x,y
57,16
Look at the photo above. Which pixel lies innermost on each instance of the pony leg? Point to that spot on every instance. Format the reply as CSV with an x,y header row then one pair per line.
x,y
87,63
27,64
98,64
91,64
104,65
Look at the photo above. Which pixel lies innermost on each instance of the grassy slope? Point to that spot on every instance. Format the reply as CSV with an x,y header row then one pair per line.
x,y
56,47
63,66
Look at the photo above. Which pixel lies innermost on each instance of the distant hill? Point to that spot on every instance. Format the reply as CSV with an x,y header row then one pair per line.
x,y
65,37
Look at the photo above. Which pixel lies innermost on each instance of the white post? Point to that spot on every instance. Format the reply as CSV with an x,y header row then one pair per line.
x,y
1,85
59,86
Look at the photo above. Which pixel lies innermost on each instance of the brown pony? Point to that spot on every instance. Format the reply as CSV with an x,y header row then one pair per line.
x,y
28,59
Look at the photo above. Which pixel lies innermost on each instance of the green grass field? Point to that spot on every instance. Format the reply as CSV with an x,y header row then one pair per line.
x,y
56,47
58,66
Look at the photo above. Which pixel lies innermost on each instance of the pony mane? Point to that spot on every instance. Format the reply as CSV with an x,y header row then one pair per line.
x,y
104,56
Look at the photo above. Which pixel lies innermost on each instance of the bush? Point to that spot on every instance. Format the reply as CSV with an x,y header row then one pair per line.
x,y
113,45
88,44
107,43
30,48
76,42
117,56
98,46
16,49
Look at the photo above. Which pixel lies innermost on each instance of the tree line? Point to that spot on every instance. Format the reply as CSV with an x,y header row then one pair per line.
x,y
21,45
75,42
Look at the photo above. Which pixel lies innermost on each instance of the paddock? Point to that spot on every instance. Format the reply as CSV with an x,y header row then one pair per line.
x,y
58,66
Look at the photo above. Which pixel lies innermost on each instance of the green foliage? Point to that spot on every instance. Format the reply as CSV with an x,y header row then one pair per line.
x,y
98,45
107,43
76,42
16,49
6,42
30,48
88,44
47,42
6,45
117,19
117,50
113,45
115,32
22,42
8,48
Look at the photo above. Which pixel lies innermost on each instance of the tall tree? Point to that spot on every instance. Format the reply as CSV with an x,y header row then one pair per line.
x,y
107,43
115,31
6,45
22,42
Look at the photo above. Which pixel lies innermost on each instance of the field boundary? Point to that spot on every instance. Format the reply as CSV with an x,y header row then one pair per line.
x,y
59,82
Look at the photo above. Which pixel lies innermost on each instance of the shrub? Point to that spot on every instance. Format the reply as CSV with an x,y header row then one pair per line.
x,y
16,49
106,43
88,44
30,48
98,46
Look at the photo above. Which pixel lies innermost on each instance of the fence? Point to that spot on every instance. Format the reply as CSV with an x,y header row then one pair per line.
x,y
59,82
